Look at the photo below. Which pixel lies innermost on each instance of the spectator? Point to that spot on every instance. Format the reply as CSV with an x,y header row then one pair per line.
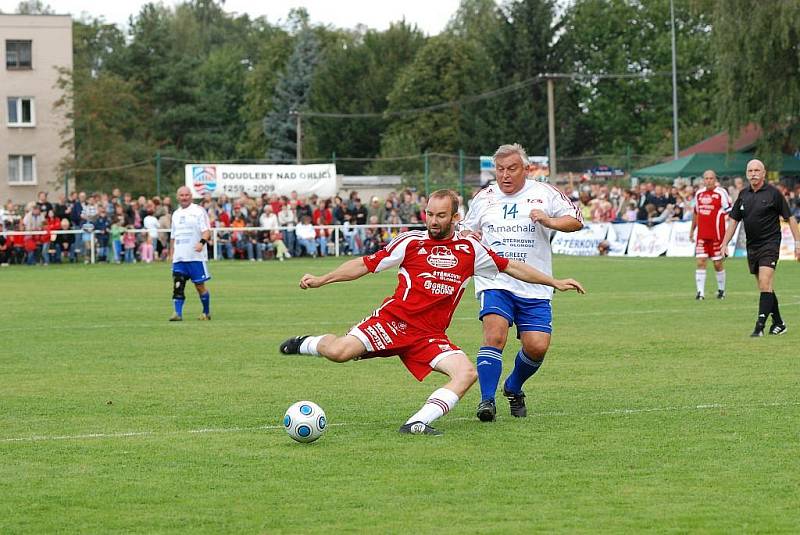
x,y
323,215
117,228
129,244
146,250
43,203
101,233
150,223
281,251
288,219
240,239
64,242
305,236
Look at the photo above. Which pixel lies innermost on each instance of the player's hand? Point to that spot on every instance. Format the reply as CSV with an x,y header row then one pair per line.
x,y
564,285
199,247
724,250
477,234
538,216
310,281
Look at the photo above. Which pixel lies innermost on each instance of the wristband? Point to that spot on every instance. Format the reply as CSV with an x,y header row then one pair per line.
x,y
203,241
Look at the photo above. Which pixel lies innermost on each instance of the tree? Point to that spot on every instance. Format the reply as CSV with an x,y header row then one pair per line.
x,y
291,93
34,7
758,70
356,76
633,38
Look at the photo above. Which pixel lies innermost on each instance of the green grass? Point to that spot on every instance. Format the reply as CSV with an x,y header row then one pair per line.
x,y
653,412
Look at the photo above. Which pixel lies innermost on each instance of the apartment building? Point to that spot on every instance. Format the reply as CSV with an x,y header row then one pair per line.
x,y
34,48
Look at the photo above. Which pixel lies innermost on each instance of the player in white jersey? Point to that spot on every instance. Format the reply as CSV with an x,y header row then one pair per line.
x,y
516,218
189,235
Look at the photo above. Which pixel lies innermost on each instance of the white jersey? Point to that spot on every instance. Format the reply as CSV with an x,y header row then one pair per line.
x,y
188,225
508,230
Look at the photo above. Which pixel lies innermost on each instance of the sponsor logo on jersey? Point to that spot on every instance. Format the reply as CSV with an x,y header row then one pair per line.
x,y
204,178
442,257
422,251
445,347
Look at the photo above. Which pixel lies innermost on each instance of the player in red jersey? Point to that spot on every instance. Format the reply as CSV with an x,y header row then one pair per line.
x,y
434,268
711,205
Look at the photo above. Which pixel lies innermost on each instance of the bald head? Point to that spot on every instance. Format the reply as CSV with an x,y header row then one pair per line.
x,y
710,179
184,195
756,173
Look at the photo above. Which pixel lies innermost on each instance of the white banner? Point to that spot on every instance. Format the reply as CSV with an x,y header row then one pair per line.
x,y
581,243
680,243
649,241
255,180
618,236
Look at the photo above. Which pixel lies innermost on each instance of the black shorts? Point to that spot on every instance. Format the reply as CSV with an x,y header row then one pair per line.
x,y
766,255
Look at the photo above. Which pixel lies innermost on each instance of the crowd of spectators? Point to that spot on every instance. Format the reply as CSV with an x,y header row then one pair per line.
x,y
652,203
128,230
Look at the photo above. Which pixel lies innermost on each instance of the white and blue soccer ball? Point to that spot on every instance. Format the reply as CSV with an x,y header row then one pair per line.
x,y
305,421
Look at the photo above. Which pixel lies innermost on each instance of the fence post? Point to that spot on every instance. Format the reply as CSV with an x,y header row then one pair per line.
x,y
214,243
336,241
158,173
91,245
461,171
427,174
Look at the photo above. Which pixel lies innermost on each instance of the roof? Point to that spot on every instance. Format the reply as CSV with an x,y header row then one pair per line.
x,y
722,164
748,136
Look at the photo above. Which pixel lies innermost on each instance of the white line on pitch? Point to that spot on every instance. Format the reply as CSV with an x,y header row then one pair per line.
x,y
210,430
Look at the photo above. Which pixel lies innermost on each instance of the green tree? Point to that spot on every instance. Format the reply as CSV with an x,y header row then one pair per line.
x,y
292,92
758,69
34,7
633,38
356,76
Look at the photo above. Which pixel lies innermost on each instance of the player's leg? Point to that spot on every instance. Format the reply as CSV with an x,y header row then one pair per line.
x,y
700,272
496,314
457,366
534,320
719,268
766,301
179,280
330,346
766,275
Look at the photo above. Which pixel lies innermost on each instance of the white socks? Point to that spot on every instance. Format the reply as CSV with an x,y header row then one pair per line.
x,y
700,280
309,346
721,280
437,405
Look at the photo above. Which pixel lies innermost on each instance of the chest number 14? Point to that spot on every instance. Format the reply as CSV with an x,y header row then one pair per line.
x,y
509,211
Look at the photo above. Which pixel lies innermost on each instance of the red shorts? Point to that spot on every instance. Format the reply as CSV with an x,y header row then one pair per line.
x,y
708,249
384,336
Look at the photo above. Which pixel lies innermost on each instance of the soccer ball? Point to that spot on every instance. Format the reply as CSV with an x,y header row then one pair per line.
x,y
305,421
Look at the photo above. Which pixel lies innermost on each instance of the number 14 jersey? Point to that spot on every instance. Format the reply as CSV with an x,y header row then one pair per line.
x,y
507,228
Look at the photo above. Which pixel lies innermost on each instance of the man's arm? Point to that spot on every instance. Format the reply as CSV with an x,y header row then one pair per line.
x,y
796,235
564,223
350,270
205,235
694,225
526,273
728,235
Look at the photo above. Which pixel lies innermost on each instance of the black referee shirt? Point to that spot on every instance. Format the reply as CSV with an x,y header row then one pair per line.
x,y
761,212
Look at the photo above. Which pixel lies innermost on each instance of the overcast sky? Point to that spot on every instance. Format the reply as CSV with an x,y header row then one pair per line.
x,y
430,16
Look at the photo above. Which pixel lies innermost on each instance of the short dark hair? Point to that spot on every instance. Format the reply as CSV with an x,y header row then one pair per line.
x,y
447,194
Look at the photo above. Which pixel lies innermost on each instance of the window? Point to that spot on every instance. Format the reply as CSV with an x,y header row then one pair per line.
x,y
18,54
21,170
21,111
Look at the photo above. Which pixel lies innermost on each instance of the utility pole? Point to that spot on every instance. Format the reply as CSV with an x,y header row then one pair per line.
x,y
674,85
551,128
299,137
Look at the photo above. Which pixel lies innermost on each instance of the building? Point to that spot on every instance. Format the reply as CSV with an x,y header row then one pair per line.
x,y
34,48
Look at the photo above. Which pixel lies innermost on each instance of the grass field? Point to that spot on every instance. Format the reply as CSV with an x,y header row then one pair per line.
x,y
653,412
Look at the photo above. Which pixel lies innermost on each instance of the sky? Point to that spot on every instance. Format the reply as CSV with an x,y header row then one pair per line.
x,y
430,16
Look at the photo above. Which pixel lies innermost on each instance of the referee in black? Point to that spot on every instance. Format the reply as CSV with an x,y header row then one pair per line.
x,y
760,207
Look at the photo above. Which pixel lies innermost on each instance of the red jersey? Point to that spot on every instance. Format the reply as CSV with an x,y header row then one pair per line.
x,y
433,275
710,208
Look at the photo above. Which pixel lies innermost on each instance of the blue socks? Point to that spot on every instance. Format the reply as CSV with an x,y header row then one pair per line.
x,y
524,368
206,300
178,303
490,366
